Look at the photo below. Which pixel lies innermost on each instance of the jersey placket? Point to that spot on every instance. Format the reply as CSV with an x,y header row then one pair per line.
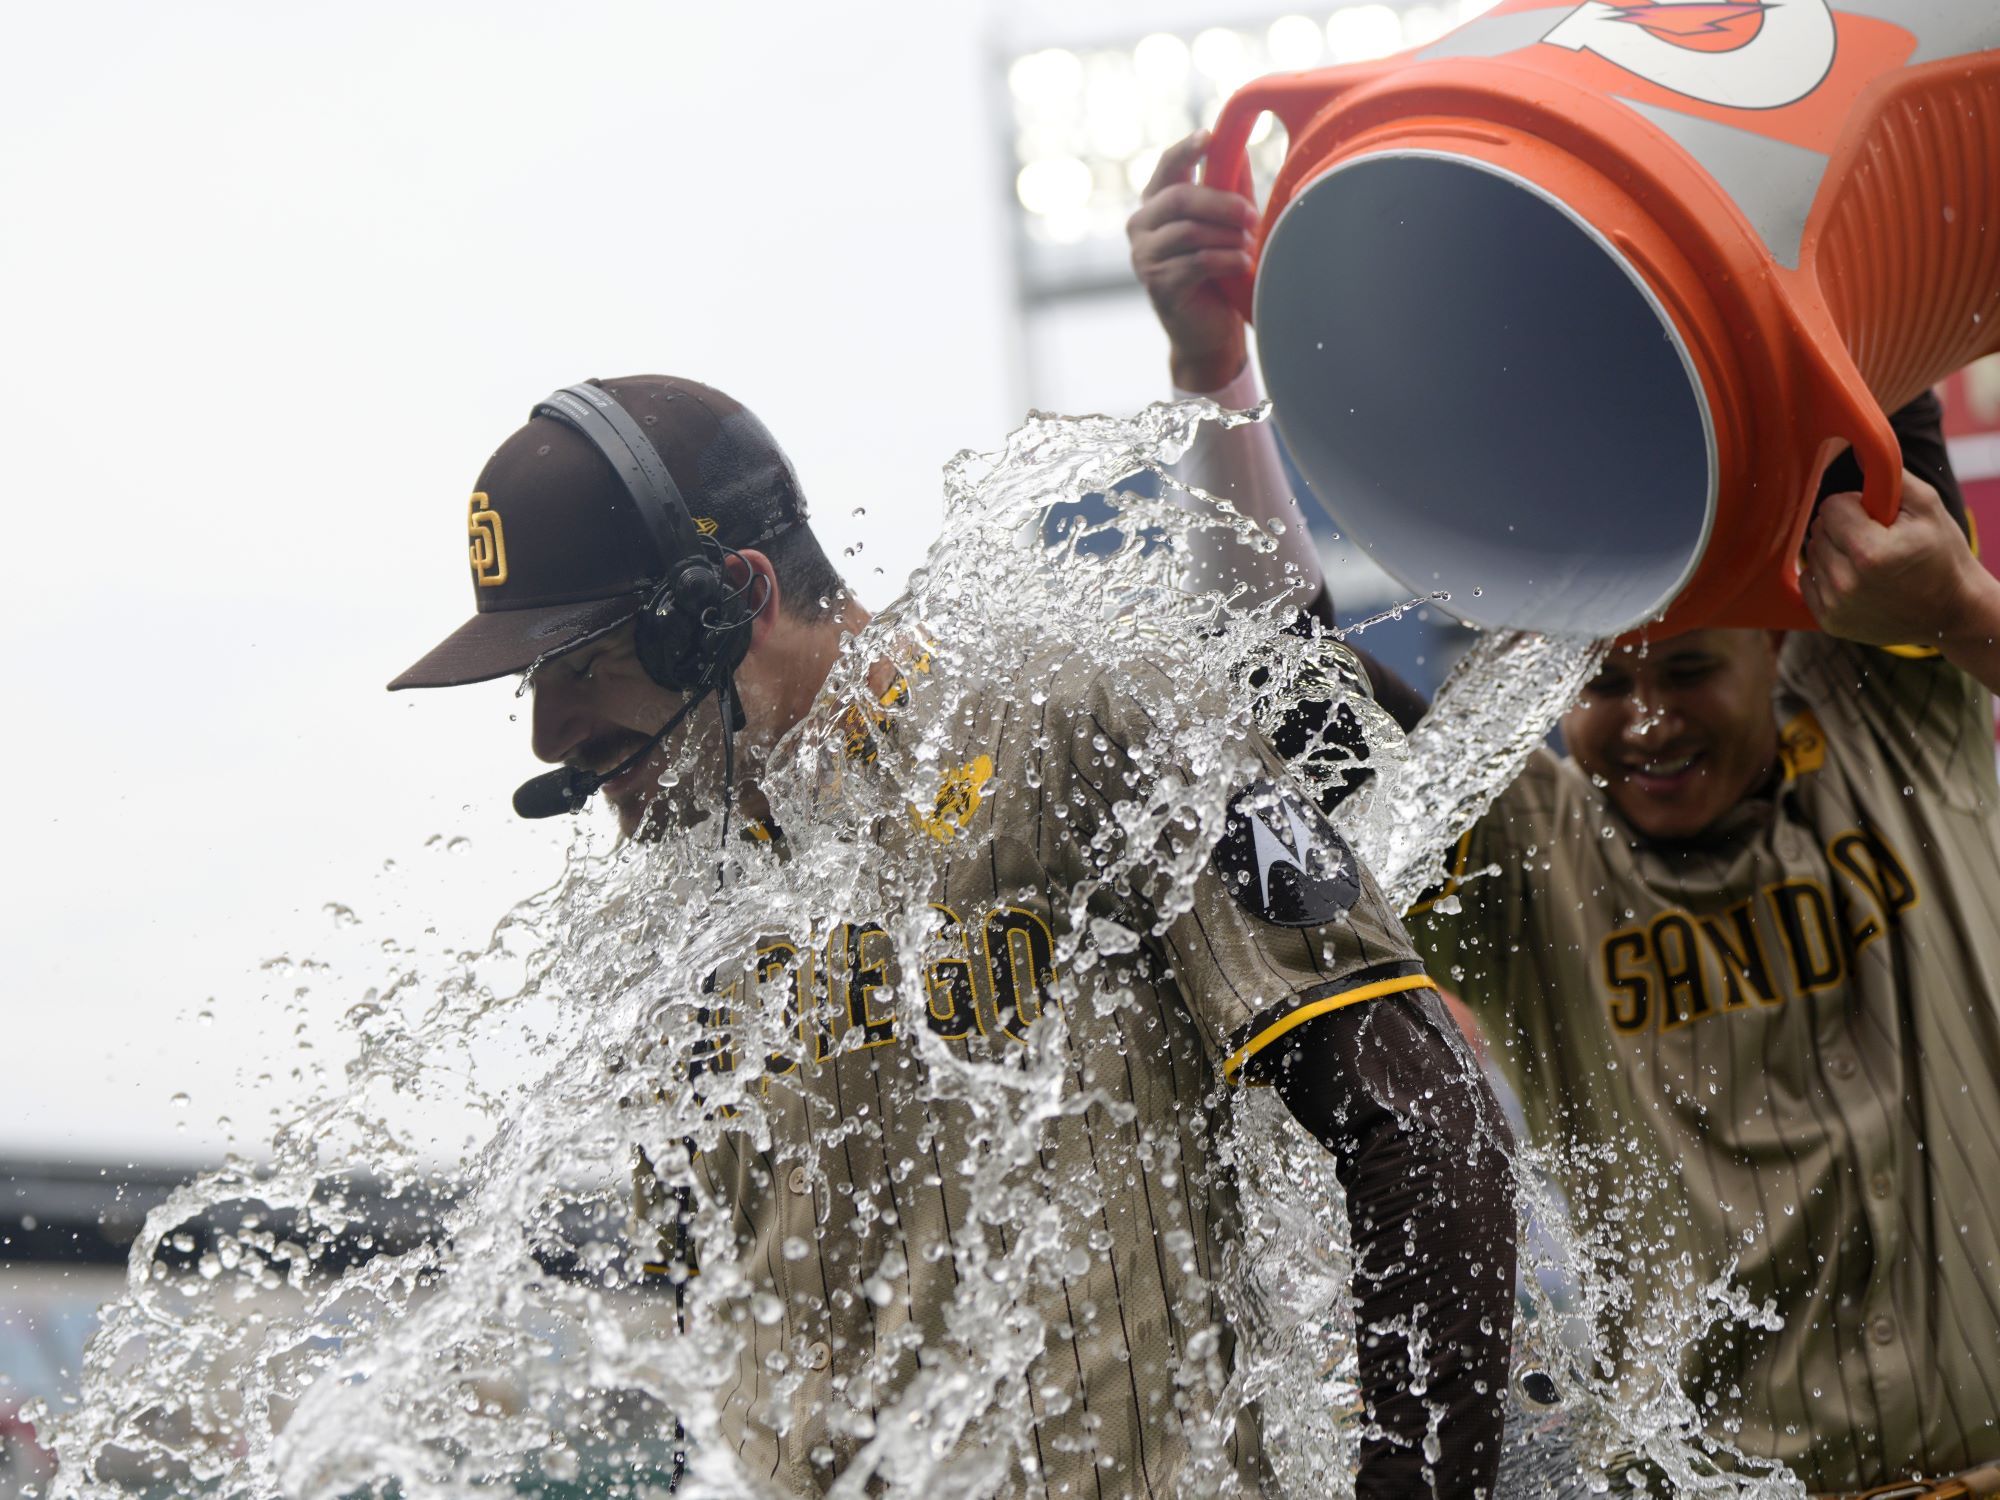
x,y
1855,1093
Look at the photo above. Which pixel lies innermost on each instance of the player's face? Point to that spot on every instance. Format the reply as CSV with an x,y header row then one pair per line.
x,y
1679,731
594,706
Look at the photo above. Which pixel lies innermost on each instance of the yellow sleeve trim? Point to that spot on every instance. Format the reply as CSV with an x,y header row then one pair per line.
x,y
1316,1009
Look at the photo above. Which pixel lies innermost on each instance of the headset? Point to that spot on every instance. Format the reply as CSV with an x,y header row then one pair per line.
x,y
693,630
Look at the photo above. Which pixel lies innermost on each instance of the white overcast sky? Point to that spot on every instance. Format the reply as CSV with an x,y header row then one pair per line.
x,y
274,279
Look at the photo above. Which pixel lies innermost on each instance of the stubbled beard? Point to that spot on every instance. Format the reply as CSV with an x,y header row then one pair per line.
x,y
676,809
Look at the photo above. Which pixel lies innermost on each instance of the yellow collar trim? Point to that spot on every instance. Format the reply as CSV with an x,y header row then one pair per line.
x,y
1802,745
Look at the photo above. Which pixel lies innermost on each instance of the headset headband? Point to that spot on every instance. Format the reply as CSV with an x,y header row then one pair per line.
x,y
595,413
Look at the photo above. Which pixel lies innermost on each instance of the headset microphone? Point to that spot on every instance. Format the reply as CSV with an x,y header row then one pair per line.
x,y
555,792
566,789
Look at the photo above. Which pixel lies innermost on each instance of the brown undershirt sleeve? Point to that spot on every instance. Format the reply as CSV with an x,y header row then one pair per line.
x,y
1424,1155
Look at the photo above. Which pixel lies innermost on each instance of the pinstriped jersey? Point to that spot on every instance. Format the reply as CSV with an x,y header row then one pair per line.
x,y
1788,1036
862,1215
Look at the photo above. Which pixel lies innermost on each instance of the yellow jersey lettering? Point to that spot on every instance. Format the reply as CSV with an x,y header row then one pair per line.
x,y
1635,1011
714,1050
1683,986
1805,919
1020,965
780,960
1866,858
954,1010
830,994
814,986
1746,973
865,975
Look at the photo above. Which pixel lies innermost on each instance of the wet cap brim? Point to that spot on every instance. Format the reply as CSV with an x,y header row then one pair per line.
x,y
497,643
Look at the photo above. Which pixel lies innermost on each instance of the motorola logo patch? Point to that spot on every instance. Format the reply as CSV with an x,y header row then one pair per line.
x,y
1282,860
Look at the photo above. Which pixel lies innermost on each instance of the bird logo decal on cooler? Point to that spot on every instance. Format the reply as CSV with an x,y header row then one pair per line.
x,y
1746,55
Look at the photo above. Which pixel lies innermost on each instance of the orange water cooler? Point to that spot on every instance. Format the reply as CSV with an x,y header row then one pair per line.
x,y
1566,312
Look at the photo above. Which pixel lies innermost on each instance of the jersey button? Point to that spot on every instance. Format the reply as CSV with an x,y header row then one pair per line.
x,y
797,1181
1882,1185
1841,1065
818,1357
1882,1328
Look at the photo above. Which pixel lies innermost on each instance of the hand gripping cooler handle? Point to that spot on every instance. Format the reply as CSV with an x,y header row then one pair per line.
x,y
1294,98
1844,408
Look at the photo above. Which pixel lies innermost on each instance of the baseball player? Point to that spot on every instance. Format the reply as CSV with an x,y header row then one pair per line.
x,y
853,1219
1740,947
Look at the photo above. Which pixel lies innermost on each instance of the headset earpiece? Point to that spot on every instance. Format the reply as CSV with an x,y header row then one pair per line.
x,y
694,626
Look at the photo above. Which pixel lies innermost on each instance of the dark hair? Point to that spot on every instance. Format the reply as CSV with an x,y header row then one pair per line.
x,y
809,586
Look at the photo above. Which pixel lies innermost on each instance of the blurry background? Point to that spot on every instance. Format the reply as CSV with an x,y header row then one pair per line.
x,y
277,278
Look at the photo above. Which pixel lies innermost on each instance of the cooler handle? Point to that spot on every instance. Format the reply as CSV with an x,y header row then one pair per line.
x,y
1847,410
1294,98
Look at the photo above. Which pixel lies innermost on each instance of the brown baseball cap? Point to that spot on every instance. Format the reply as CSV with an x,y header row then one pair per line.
x,y
558,548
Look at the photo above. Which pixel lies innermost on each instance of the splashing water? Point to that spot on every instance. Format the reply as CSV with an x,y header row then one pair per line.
x,y
1491,714
547,1327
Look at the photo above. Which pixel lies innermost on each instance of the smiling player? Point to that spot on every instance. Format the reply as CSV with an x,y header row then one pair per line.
x,y
1739,947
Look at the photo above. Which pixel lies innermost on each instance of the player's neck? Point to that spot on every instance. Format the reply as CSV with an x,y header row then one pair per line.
x,y
782,677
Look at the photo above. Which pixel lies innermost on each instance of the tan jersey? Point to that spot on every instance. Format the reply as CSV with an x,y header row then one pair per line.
x,y
1790,1038
852,1214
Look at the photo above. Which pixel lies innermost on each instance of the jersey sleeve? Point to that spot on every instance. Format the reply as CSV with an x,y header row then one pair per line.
x,y
1923,719
1279,922
1465,928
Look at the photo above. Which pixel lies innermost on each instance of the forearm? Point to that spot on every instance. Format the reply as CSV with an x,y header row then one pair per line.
x,y
1974,645
1241,465
1422,1152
